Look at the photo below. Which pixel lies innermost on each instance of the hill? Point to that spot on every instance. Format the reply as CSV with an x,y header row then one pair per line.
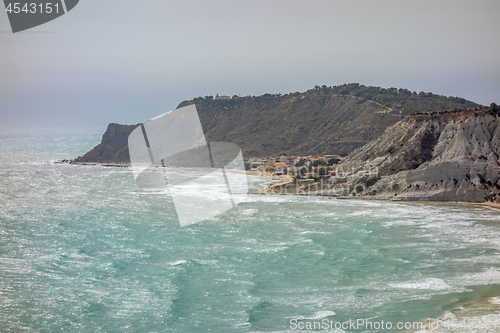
x,y
321,120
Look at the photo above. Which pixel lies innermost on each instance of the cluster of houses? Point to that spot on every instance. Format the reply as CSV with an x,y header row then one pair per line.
x,y
284,165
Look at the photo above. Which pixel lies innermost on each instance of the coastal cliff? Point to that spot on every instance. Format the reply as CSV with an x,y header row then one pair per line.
x,y
113,147
447,156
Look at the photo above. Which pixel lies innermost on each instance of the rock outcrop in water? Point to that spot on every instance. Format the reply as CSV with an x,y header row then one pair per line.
x,y
447,156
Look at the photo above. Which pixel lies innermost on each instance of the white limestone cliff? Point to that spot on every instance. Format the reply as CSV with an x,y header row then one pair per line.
x,y
449,156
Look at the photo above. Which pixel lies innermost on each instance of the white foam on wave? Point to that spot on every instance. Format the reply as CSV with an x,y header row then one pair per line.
x,y
426,284
248,212
281,198
315,232
316,252
271,249
208,262
317,315
495,300
489,276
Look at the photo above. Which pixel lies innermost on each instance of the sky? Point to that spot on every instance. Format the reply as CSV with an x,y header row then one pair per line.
x,y
128,61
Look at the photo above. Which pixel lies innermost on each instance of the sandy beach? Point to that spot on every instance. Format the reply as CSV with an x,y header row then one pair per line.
x,y
476,204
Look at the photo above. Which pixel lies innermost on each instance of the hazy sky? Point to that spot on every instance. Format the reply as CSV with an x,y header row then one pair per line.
x,y
128,61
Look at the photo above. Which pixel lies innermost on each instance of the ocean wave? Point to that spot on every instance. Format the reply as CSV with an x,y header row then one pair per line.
x,y
317,315
425,284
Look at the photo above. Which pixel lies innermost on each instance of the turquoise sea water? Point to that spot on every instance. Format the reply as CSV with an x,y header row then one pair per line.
x,y
82,249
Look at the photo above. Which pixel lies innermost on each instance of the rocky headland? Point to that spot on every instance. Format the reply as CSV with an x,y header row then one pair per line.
x,y
113,148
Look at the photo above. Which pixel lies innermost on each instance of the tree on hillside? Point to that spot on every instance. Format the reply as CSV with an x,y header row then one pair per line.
x,y
300,163
316,163
322,171
333,161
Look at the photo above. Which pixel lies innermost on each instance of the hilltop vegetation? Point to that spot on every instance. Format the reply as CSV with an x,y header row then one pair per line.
x,y
403,100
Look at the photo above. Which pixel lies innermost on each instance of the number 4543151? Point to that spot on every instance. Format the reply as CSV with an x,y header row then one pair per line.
x,y
32,8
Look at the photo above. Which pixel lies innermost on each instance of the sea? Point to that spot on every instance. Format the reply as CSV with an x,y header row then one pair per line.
x,y
83,249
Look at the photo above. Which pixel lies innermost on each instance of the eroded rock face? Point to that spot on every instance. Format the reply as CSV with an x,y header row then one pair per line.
x,y
451,156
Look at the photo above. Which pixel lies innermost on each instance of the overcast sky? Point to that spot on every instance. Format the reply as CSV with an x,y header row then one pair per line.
x,y
128,61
